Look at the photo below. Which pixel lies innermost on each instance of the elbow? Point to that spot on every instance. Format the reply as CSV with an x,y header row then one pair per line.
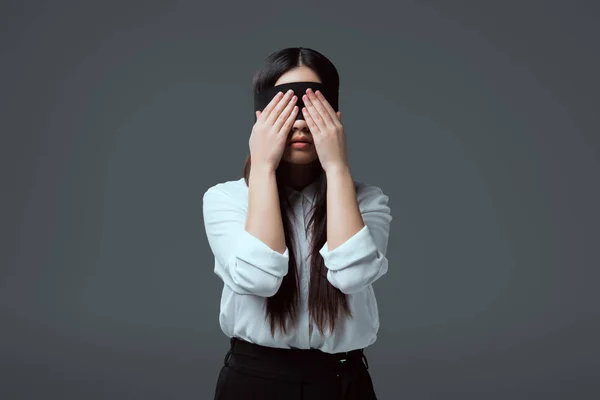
x,y
266,287
256,281
346,285
355,278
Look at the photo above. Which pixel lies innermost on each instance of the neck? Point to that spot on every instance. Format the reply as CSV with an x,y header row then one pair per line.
x,y
298,176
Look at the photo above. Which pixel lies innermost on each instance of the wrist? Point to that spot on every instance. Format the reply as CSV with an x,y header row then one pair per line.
x,y
337,170
262,169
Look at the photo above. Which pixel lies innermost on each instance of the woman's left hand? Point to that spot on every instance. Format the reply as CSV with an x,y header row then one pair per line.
x,y
325,125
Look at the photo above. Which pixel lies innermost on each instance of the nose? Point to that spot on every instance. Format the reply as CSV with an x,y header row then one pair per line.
x,y
300,125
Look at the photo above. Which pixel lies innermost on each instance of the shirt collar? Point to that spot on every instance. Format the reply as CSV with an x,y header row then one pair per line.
x,y
308,191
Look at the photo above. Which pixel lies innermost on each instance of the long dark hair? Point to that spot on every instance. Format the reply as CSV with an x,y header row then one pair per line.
x,y
326,303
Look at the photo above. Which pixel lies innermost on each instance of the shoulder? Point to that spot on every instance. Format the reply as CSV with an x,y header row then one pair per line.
x,y
370,197
233,190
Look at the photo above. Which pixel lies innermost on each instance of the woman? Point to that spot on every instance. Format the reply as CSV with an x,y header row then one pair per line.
x,y
298,244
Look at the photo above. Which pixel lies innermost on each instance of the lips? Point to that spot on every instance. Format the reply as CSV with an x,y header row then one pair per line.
x,y
300,140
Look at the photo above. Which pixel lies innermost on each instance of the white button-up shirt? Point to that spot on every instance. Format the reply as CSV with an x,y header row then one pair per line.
x,y
251,270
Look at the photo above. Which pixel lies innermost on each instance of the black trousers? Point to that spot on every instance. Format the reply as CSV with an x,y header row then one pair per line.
x,y
252,371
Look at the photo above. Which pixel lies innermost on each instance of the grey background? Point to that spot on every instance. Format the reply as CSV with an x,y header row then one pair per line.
x,y
477,118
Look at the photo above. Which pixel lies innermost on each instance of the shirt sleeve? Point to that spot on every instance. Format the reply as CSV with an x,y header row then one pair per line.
x,y
245,263
361,259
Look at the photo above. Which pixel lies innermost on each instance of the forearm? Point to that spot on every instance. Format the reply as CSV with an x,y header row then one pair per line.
x,y
264,215
343,214
357,233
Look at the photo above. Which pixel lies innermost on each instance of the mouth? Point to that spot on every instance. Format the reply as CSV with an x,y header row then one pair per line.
x,y
300,139
300,144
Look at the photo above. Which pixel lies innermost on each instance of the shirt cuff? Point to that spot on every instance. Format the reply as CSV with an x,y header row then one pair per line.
x,y
255,252
351,252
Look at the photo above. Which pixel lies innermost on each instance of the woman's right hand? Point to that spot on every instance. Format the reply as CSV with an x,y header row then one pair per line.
x,y
270,131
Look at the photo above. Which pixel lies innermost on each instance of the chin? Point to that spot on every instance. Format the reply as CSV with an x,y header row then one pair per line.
x,y
299,158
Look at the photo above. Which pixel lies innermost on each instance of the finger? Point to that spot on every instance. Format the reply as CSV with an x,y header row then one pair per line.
x,y
274,101
312,126
287,126
280,121
339,115
279,107
332,113
314,114
320,109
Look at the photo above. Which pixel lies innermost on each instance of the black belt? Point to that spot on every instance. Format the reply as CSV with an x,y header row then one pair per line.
x,y
311,356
